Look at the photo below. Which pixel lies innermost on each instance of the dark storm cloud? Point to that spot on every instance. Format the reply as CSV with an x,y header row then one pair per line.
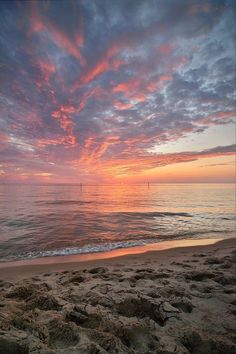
x,y
96,80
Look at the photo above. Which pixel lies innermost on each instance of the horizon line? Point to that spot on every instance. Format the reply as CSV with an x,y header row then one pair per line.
x,y
106,184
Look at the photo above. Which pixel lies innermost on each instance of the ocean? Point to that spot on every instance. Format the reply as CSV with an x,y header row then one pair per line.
x,y
52,220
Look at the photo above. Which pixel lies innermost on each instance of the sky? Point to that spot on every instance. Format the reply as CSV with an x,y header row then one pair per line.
x,y
121,91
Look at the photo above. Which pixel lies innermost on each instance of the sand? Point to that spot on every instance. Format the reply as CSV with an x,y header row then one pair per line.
x,y
180,300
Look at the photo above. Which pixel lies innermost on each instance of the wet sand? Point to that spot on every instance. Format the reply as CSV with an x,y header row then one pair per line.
x,y
22,268
181,300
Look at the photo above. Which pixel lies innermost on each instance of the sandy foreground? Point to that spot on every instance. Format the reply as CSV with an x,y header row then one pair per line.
x,y
180,300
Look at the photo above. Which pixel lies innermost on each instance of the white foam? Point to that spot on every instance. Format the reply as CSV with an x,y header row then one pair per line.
x,y
82,250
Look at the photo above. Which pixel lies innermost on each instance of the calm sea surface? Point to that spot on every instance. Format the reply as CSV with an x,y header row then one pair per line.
x,y
38,221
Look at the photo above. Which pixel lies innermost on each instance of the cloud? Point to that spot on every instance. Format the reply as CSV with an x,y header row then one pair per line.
x,y
147,162
105,84
219,164
40,23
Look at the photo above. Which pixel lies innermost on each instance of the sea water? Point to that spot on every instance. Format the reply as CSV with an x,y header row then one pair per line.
x,y
51,220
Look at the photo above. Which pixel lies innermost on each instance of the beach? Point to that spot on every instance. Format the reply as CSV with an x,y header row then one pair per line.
x,y
178,300
117,177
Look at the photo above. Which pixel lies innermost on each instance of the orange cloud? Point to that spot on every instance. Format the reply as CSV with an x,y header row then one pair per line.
x,y
67,109
95,92
177,63
64,120
105,63
38,24
2,172
65,43
43,174
93,150
196,8
79,37
88,143
127,87
158,84
217,118
66,123
138,89
97,70
47,69
141,164
166,48
41,143
67,141
122,105
4,139
139,97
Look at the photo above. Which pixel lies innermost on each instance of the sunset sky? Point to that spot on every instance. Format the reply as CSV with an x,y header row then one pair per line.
x,y
117,91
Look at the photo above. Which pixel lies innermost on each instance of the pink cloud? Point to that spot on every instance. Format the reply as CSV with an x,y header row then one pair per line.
x,y
217,118
166,48
39,23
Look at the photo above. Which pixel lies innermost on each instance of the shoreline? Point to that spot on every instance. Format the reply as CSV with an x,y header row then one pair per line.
x,y
25,268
